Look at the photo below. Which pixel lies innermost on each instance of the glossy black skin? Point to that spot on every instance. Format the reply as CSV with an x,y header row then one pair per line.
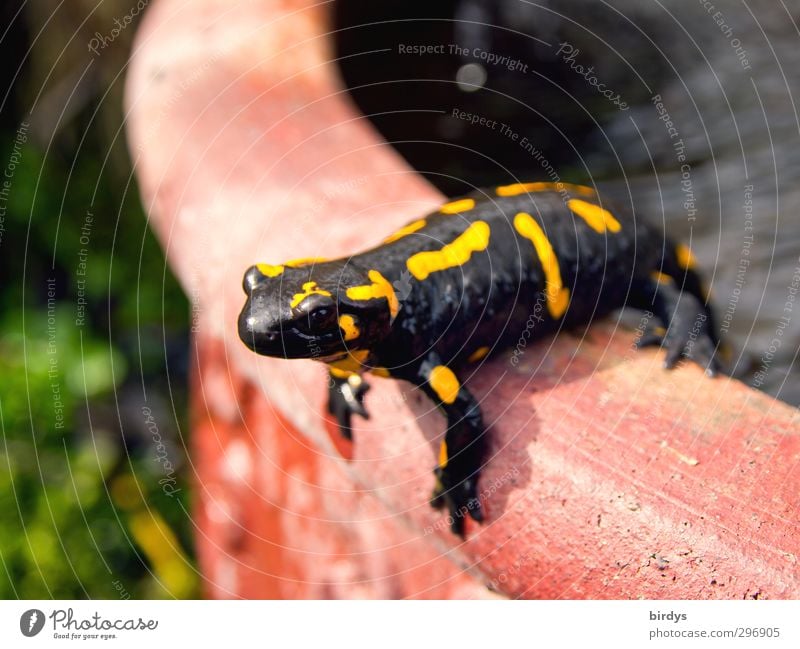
x,y
486,302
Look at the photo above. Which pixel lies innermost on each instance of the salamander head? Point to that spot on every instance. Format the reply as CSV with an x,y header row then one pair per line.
x,y
306,309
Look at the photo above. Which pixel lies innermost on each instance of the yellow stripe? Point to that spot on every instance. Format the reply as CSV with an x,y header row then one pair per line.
x,y
525,188
309,288
347,323
155,537
404,232
269,270
685,257
478,354
350,364
474,239
380,371
598,219
661,278
340,373
161,547
456,207
557,295
380,287
444,383
305,261
443,455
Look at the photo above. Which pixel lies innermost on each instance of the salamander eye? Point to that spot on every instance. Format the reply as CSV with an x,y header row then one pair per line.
x,y
316,313
322,316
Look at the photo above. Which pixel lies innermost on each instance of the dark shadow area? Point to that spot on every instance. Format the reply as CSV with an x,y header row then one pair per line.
x,y
686,115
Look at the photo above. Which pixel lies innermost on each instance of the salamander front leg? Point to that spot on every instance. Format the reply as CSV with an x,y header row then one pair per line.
x,y
687,328
462,452
346,398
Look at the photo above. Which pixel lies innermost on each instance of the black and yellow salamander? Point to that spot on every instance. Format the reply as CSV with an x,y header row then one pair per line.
x,y
463,281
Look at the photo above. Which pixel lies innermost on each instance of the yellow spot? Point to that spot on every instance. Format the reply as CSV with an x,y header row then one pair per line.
x,y
557,295
379,288
273,271
526,188
478,354
340,374
347,323
269,270
350,364
381,371
444,383
661,278
685,256
154,536
474,239
443,455
126,492
404,232
599,220
309,288
660,331
355,380
305,261
456,207
162,548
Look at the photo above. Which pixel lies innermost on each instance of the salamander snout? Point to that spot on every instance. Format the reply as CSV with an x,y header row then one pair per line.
x,y
256,330
251,279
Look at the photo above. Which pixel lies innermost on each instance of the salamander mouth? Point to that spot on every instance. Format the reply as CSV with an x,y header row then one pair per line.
x,y
287,342
288,346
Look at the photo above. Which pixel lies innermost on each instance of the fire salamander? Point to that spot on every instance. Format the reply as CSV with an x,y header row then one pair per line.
x,y
453,286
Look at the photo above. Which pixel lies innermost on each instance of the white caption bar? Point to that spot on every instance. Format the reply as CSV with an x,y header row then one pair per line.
x,y
388,625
